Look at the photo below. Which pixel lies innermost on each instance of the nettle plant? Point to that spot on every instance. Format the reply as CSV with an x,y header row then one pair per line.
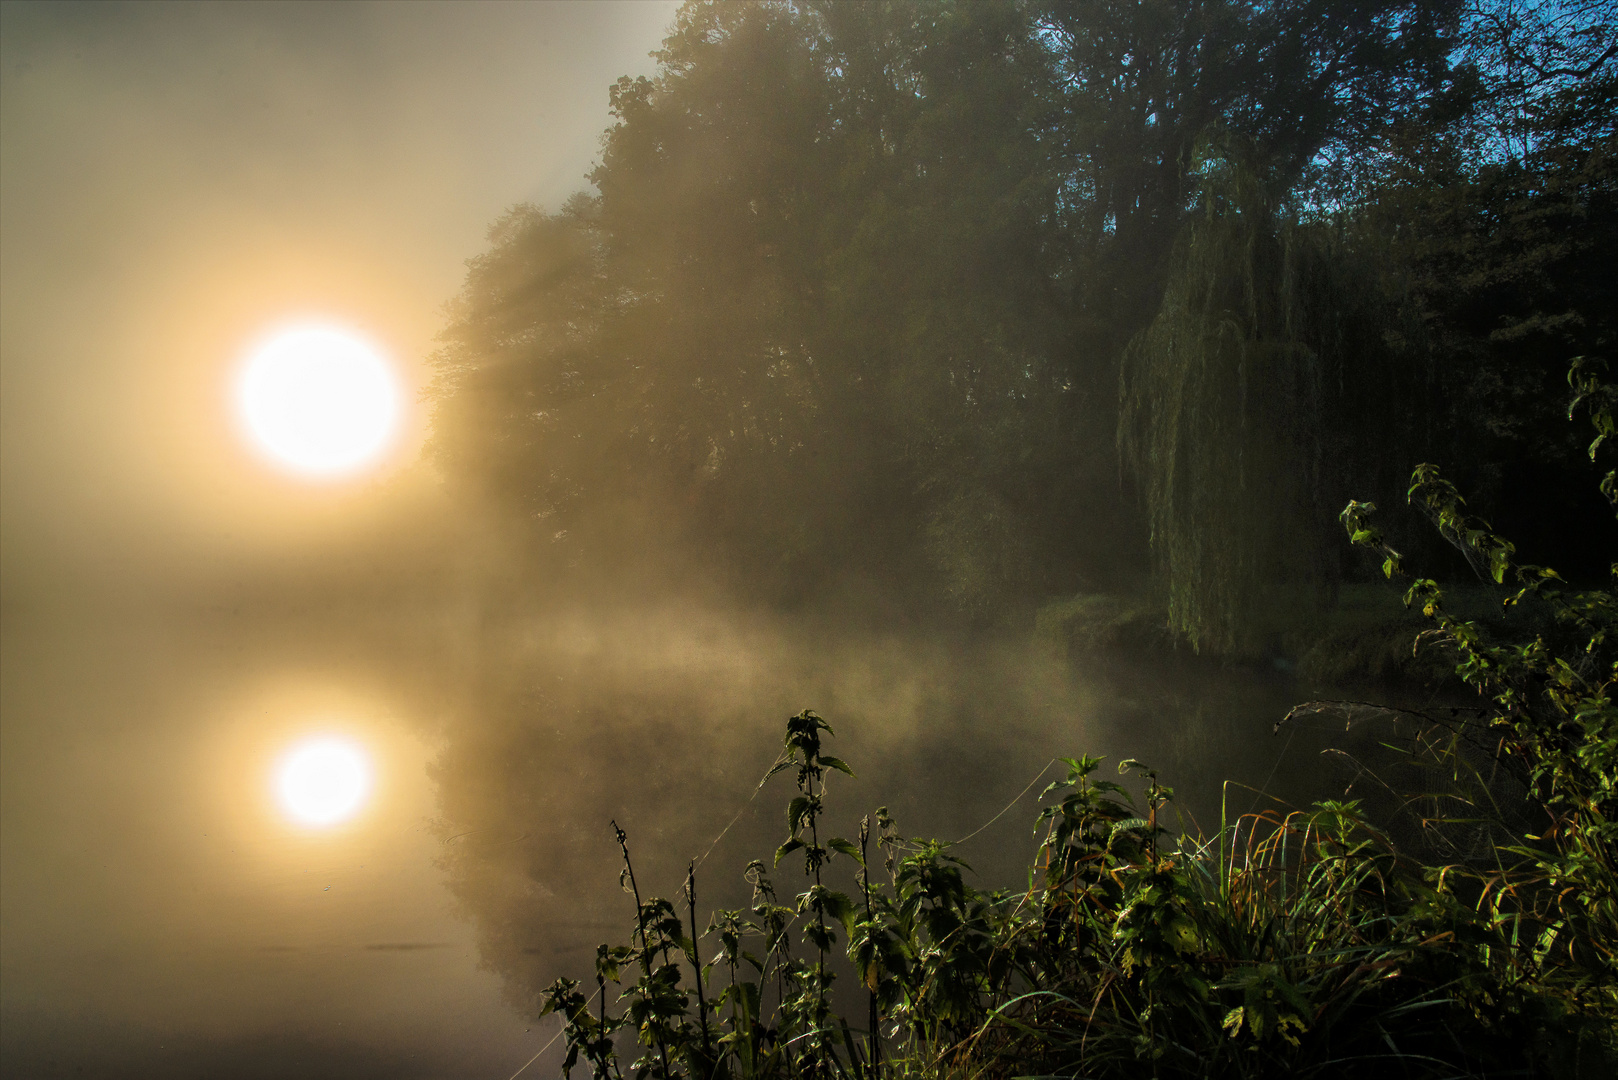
x,y
1303,943
1549,718
918,944
1299,942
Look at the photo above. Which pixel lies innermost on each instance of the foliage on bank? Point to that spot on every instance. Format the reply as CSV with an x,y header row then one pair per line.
x,y
1303,943
975,304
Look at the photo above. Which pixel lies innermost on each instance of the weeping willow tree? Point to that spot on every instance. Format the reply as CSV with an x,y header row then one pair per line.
x,y
1277,372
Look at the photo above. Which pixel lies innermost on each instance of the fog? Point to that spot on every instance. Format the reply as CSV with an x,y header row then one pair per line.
x,y
176,178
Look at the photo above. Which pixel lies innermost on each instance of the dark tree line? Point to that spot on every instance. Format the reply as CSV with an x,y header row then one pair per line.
x,y
985,302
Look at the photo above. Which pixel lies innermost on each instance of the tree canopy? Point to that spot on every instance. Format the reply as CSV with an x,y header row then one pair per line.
x,y
856,287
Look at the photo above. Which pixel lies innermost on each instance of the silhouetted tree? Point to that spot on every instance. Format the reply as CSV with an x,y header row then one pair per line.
x,y
849,299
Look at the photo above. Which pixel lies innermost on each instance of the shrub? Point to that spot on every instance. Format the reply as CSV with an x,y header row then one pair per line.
x,y
1300,944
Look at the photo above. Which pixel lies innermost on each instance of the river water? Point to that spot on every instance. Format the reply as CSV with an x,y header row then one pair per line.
x,y
162,919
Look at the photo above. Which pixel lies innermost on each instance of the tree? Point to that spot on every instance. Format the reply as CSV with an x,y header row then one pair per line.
x,y
1499,213
1287,85
1276,377
850,296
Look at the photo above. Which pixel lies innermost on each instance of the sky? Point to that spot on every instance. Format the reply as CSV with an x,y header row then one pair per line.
x,y
175,178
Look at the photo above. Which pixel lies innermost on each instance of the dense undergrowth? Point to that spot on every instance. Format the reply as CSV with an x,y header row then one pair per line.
x,y
1465,926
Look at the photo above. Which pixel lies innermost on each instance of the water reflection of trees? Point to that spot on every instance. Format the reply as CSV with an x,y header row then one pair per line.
x,y
669,732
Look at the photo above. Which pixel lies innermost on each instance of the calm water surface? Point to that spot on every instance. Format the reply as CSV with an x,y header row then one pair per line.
x,y
162,919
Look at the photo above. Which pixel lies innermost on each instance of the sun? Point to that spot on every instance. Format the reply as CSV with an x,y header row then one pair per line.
x,y
323,781
318,400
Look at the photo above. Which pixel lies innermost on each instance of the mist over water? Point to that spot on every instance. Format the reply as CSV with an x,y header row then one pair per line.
x,y
162,920
869,537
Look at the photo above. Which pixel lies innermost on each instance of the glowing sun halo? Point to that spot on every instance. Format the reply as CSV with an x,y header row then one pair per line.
x,y
323,781
318,400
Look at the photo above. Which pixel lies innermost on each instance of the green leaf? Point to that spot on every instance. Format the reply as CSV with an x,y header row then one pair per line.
x,y
842,906
796,810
